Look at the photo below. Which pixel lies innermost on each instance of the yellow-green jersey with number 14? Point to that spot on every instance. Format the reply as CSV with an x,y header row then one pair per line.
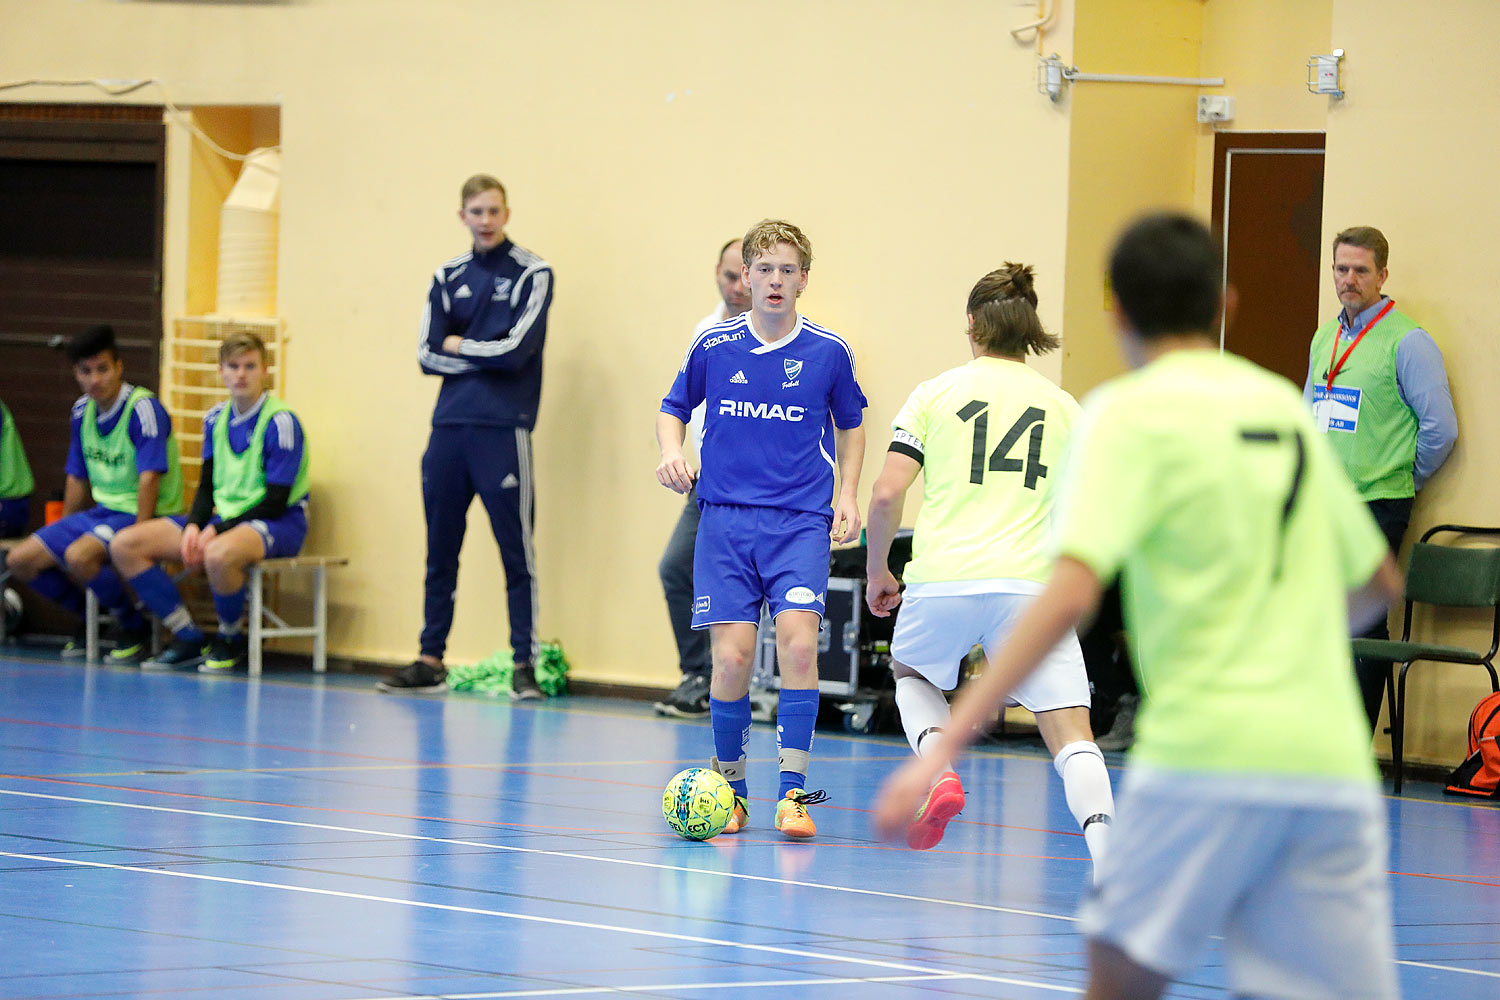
x,y
1201,479
990,436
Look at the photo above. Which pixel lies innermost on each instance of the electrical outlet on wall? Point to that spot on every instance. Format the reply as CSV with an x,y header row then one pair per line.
x,y
1215,108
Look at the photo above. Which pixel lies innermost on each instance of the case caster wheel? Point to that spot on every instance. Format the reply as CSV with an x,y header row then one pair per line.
x,y
858,716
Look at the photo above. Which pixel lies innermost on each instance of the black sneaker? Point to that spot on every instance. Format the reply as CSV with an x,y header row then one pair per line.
x,y
1121,735
523,684
689,701
131,647
417,677
183,654
76,648
226,655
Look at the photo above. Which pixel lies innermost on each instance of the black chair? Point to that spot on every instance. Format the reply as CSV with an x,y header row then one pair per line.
x,y
1446,576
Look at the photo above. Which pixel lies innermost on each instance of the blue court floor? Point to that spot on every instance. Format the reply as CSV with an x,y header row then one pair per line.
x,y
301,839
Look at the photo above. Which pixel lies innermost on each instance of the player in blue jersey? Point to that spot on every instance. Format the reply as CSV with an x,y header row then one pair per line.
x,y
784,409
690,699
123,457
482,331
251,505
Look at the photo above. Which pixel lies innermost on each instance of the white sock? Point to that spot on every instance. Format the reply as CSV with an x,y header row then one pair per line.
x,y
1086,785
924,711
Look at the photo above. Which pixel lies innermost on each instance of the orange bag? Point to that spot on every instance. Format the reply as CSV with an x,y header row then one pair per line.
x,y
1479,775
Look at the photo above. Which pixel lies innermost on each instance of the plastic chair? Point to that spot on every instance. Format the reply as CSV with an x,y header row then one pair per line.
x,y
1444,576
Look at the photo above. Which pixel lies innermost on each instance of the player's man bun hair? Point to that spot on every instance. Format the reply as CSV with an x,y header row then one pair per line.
x,y
1002,311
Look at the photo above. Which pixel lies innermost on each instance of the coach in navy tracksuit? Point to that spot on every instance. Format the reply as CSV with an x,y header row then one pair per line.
x,y
482,331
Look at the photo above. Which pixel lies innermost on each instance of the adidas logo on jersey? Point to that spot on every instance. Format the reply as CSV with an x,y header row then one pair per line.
x,y
509,481
739,378
463,292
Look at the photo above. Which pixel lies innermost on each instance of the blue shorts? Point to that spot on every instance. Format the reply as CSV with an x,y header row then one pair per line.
x,y
282,536
746,555
101,522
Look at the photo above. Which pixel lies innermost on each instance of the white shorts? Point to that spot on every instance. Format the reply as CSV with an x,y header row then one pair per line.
x,y
1298,892
934,634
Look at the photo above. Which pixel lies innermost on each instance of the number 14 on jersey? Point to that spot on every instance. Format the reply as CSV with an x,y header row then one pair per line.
x,y
999,460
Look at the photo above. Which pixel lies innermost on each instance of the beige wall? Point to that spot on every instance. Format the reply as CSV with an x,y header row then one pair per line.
x,y
1132,151
908,140
1261,50
1412,150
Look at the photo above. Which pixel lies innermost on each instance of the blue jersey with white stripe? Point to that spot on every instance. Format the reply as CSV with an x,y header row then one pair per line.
x,y
497,301
771,411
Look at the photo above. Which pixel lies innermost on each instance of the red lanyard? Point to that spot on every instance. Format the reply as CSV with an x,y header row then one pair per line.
x,y
1335,367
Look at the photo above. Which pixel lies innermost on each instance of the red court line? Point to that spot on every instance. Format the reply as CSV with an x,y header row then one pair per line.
x,y
1448,878
199,739
433,764
480,822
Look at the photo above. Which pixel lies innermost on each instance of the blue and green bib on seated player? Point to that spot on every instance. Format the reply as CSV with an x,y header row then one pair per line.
x,y
111,461
15,471
240,477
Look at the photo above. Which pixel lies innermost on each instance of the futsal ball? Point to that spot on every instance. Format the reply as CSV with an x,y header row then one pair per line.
x,y
697,803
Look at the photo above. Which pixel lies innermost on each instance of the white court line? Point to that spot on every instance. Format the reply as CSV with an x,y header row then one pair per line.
x,y
1450,968
574,991
552,854
555,921
616,861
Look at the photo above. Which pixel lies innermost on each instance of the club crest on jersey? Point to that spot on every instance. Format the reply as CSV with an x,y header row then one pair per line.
x,y
761,411
502,289
793,368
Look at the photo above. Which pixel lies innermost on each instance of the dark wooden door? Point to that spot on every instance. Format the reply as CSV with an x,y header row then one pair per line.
x,y
1268,210
81,193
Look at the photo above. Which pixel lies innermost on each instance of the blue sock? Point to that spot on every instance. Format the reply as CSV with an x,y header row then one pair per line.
x,y
231,608
796,715
54,585
157,591
731,722
110,589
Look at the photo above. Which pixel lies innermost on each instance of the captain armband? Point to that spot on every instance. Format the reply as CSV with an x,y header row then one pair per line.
x,y
906,443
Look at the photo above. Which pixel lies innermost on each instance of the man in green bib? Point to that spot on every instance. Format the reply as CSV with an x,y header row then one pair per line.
x,y
1378,389
1250,807
251,505
15,479
123,455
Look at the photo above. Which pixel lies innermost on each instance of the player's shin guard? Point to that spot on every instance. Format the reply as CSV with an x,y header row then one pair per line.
x,y
157,591
1090,798
230,609
796,716
924,711
731,724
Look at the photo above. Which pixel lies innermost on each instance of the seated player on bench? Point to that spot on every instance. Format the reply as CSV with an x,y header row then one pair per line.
x,y
251,506
123,455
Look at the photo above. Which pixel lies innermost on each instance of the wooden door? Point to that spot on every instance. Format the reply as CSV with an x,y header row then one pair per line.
x,y
1268,210
80,243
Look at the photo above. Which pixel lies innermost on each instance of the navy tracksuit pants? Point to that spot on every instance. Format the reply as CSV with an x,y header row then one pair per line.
x,y
495,463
